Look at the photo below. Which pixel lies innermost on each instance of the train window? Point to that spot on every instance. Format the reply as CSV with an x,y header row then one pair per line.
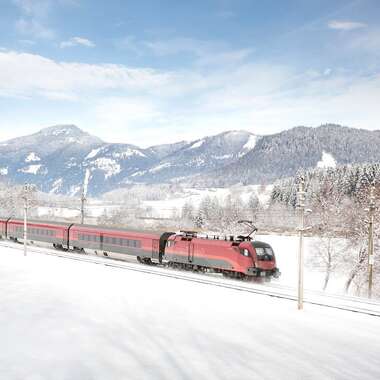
x,y
260,251
265,253
244,252
269,251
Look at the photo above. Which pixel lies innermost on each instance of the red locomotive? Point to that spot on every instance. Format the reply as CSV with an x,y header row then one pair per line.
x,y
239,257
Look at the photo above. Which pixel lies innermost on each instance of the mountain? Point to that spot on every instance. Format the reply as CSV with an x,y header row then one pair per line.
x,y
200,156
284,154
63,159
48,156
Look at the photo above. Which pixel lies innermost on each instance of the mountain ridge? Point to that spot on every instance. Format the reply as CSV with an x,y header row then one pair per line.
x,y
59,159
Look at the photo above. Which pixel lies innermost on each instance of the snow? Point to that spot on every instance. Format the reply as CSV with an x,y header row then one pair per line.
x,y
57,184
60,212
327,161
74,190
251,143
32,157
224,157
158,168
139,173
197,161
93,153
197,144
63,319
128,153
286,251
164,208
108,165
85,181
31,169
4,171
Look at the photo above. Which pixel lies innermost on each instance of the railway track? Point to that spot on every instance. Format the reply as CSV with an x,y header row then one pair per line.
x,y
346,303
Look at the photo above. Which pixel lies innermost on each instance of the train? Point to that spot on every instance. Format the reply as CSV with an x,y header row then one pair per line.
x,y
238,257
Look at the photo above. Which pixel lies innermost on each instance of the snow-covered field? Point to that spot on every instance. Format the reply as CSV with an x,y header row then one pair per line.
x,y
63,319
163,208
286,250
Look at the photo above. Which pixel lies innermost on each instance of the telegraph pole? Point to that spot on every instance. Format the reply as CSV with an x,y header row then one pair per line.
x,y
82,202
27,189
301,198
25,198
371,210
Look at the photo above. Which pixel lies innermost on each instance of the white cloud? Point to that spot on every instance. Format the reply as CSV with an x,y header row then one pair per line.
x,y
34,19
126,112
32,27
77,41
27,42
345,25
201,52
28,75
34,8
146,106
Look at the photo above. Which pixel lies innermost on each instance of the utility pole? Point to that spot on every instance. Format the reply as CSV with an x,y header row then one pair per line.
x,y
301,198
82,202
371,210
25,198
83,195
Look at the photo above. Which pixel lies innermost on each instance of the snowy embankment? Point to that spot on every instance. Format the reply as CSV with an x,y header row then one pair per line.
x,y
63,319
286,250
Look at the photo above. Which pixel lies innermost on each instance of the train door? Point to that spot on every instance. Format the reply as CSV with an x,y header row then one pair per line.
x,y
156,249
191,252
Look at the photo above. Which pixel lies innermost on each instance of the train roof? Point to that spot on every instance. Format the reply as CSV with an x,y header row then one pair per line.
x,y
77,225
37,221
260,244
119,229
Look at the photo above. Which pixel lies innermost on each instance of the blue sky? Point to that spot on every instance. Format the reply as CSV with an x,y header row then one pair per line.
x,y
148,72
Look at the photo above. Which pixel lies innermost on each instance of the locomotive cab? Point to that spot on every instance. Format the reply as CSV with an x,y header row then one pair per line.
x,y
263,260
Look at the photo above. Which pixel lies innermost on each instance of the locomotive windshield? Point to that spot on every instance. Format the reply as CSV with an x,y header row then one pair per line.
x,y
264,253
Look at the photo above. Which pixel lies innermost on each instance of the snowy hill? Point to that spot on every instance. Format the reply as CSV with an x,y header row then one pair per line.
x,y
283,154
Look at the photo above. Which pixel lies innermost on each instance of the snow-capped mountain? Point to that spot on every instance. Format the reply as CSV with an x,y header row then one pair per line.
x,y
63,159
51,158
199,156
284,154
